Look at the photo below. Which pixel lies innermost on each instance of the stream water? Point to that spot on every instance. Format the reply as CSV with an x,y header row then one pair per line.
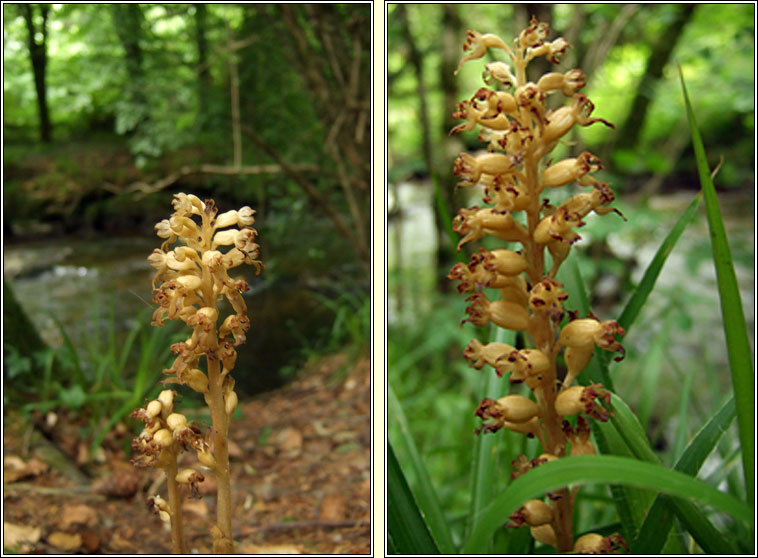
x,y
83,283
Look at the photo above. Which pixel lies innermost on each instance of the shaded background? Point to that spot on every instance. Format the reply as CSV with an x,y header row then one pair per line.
x,y
111,109
676,354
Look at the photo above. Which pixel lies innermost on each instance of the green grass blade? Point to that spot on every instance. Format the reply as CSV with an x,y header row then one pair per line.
x,y
631,431
610,443
650,374
659,519
47,373
680,440
701,529
485,446
69,345
407,532
706,439
425,493
738,346
603,469
640,295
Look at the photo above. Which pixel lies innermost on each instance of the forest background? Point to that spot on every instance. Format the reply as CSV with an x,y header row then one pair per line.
x,y
676,357
108,111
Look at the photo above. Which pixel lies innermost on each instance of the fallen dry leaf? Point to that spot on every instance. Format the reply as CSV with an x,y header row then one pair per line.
x,y
290,441
333,508
14,535
234,449
121,484
90,540
15,468
65,541
197,507
270,549
80,514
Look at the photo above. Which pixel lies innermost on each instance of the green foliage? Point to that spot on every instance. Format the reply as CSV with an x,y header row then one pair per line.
x,y
738,346
657,506
715,50
101,381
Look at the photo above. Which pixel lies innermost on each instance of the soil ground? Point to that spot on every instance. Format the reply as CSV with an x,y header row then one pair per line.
x,y
301,478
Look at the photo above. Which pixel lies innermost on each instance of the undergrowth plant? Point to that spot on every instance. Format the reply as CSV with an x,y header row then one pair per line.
x,y
575,430
192,278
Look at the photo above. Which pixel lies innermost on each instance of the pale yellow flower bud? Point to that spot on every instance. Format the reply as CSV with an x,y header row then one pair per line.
x,y
163,437
569,402
579,332
163,229
176,420
517,408
544,534
506,262
190,282
591,543
533,513
153,408
500,72
531,427
509,315
166,397
230,402
227,219
206,458
246,216
187,476
225,238
197,380
479,44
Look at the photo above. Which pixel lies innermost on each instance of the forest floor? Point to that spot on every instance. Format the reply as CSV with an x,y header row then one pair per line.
x,y
301,478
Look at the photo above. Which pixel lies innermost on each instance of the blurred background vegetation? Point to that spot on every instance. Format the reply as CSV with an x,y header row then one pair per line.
x,y
677,357
109,110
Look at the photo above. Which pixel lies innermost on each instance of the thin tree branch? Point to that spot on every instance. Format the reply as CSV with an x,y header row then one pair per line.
x,y
143,188
313,194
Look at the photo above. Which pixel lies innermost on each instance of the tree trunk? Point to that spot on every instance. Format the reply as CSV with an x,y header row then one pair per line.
x,y
127,20
416,59
38,57
629,132
331,52
452,38
203,72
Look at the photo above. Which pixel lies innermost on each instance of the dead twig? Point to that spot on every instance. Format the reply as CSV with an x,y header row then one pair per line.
x,y
143,189
305,524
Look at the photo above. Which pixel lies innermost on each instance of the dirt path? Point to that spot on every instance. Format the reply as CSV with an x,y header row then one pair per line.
x,y
300,479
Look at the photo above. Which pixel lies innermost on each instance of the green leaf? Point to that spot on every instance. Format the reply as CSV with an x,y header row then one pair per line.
x,y
603,469
624,436
659,519
425,493
682,429
631,431
485,447
73,397
407,532
649,375
610,443
738,346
